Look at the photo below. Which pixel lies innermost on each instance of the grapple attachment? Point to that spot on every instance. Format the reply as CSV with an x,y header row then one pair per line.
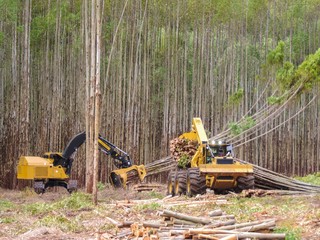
x,y
120,177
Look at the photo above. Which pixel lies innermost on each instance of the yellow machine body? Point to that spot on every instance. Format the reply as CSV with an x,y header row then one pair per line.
x,y
221,171
212,166
54,168
225,176
30,167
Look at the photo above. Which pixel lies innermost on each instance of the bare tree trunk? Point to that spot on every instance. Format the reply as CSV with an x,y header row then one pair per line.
x,y
93,97
97,101
25,84
89,101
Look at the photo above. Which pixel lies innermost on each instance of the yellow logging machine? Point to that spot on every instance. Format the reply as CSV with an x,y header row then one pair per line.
x,y
54,168
212,166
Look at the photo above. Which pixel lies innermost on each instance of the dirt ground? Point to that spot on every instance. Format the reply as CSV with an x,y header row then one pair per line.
x,y
59,215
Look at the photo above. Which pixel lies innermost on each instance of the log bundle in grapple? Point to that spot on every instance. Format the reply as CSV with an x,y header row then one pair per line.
x,y
182,150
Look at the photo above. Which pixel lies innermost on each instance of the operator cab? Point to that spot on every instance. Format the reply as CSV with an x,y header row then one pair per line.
x,y
220,152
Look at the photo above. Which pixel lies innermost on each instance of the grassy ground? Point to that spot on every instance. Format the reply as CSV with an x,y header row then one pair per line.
x,y
58,215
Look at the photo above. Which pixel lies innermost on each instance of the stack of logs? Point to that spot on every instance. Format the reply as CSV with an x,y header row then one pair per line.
x,y
180,147
217,225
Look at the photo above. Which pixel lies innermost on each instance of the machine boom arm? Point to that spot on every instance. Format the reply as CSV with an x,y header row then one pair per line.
x,y
122,159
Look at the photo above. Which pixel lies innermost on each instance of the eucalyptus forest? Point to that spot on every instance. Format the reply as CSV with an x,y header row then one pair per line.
x,y
248,68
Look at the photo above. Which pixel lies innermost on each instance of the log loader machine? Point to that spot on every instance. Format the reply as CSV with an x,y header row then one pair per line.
x,y
54,168
212,166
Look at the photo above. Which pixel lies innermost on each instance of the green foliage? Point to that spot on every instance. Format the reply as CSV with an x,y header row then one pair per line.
x,y
40,26
75,201
291,233
248,123
9,10
256,8
2,36
59,221
225,12
36,208
313,179
150,194
235,128
236,97
305,76
274,100
44,23
298,41
308,73
7,220
285,76
101,186
154,194
276,56
5,205
28,191
243,208
245,124
184,160
149,206
253,52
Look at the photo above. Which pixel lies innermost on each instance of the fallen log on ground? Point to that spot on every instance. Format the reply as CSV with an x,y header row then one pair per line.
x,y
186,217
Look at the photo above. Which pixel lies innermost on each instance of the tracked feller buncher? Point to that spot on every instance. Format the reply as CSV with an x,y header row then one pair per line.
x,y
54,168
212,167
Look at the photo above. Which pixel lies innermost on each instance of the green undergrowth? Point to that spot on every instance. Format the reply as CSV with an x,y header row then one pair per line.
x,y
291,233
148,206
7,220
247,209
313,179
284,209
150,195
59,221
76,201
5,205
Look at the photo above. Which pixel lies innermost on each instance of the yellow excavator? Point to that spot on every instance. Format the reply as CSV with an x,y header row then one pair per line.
x,y
212,166
54,168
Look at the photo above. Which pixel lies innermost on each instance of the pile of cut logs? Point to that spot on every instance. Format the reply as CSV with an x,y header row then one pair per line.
x,y
217,225
180,147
